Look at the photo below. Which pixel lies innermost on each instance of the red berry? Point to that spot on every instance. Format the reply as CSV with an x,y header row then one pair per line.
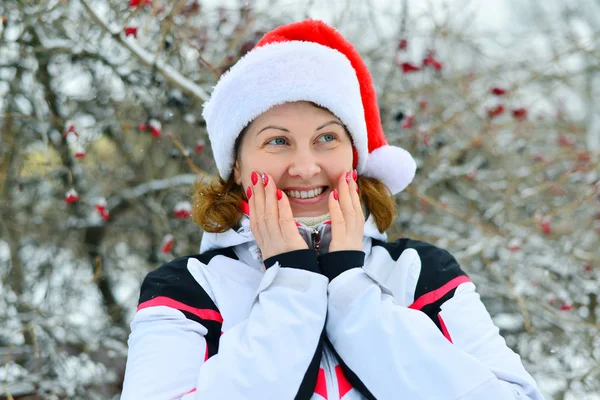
x,y
131,31
496,111
520,114
407,67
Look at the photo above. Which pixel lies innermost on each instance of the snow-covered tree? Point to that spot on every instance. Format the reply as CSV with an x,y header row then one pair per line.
x,y
102,140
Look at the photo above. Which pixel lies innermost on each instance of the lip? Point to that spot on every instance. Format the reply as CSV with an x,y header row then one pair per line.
x,y
313,200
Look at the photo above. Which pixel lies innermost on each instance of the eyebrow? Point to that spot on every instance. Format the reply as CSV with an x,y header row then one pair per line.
x,y
285,130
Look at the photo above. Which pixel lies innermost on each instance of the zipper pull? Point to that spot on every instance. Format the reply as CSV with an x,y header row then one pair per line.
x,y
316,240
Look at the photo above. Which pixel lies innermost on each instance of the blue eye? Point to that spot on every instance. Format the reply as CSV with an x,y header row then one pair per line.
x,y
328,137
278,141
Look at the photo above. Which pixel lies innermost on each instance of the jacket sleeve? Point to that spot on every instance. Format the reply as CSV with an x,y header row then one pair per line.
x,y
176,332
463,357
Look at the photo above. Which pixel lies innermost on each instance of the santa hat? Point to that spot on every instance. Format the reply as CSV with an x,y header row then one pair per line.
x,y
306,61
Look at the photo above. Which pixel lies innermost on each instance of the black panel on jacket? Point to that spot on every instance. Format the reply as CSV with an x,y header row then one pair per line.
x,y
309,382
305,259
336,263
438,266
353,379
173,280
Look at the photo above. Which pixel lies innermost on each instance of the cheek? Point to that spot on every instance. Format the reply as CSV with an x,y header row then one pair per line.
x,y
274,165
339,164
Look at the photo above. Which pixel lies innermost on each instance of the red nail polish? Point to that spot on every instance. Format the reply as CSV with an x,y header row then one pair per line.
x,y
279,194
265,179
354,175
335,194
249,192
347,177
254,177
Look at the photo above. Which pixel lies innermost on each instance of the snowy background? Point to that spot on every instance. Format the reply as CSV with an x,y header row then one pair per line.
x,y
101,140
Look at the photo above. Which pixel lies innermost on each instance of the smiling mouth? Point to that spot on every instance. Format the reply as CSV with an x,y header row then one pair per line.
x,y
305,194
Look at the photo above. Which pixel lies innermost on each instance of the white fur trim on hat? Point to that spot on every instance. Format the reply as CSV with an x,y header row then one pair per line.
x,y
393,165
280,73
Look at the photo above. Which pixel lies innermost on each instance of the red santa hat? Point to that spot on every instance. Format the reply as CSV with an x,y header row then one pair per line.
x,y
306,61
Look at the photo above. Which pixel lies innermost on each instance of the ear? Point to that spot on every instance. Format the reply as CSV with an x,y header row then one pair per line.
x,y
237,173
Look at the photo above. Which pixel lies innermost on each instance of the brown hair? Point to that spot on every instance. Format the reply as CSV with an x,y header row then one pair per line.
x,y
217,205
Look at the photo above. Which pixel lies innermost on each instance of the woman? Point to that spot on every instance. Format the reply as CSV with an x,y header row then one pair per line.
x,y
295,295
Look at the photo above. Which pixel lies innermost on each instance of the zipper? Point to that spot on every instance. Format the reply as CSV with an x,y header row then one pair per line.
x,y
316,240
330,379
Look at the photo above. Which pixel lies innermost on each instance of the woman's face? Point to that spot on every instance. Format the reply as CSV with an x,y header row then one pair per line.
x,y
303,148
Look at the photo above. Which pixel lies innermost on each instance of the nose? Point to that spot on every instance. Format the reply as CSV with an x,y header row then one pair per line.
x,y
304,164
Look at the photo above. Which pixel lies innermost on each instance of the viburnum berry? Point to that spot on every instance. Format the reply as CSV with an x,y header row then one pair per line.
x,y
408,68
155,127
135,3
71,196
402,44
167,243
182,210
70,129
520,114
496,111
514,245
131,31
408,122
431,61
79,152
497,91
101,207
545,225
565,140
566,306
200,144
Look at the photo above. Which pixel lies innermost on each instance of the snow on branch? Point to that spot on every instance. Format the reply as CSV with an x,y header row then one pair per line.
x,y
152,186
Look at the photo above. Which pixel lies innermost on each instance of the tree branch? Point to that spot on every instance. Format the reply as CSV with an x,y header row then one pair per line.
x,y
169,73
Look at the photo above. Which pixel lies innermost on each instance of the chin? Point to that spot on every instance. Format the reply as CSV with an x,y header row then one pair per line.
x,y
308,213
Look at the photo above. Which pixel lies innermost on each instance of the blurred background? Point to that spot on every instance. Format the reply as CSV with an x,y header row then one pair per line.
x,y
101,140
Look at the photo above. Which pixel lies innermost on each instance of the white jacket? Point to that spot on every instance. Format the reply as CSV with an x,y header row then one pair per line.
x,y
401,321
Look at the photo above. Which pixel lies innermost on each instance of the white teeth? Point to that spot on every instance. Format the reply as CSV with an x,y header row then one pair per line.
x,y
304,194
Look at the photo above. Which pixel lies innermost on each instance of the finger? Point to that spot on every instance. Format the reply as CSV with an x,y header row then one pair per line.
x,y
253,215
338,225
344,199
287,224
355,197
259,202
271,208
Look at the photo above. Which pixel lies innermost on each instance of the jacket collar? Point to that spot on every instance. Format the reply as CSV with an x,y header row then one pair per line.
x,y
243,236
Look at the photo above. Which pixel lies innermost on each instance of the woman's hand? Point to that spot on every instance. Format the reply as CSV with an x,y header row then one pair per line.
x,y
347,219
271,219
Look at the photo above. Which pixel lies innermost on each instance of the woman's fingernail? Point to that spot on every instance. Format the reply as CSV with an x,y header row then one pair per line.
x,y
354,175
265,179
279,194
254,178
347,177
335,194
249,192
